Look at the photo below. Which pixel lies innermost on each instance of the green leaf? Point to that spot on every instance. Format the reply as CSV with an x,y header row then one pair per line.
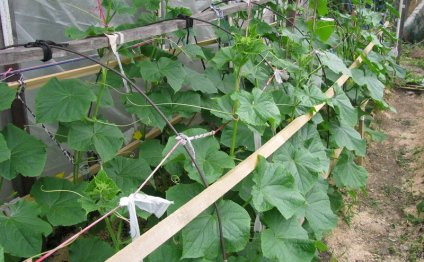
x,y
64,101
223,56
286,240
333,62
318,210
137,104
150,71
60,204
201,237
258,108
320,6
274,187
304,156
370,81
193,51
22,230
310,96
181,194
151,151
343,107
173,71
323,28
225,83
127,173
348,174
4,150
345,136
244,137
167,252
90,250
200,82
150,5
7,95
27,154
106,139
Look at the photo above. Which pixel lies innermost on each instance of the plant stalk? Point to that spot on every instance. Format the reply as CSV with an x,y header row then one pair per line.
x,y
100,95
112,234
235,108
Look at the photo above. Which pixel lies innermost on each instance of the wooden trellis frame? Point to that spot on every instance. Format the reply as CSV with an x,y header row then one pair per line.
x,y
144,245
21,54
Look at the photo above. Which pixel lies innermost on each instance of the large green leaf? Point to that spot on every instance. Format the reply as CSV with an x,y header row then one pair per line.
x,y
167,68
182,103
22,230
60,204
348,174
257,108
200,82
127,173
167,252
151,151
201,236
304,156
344,135
274,187
173,71
181,194
27,154
244,137
64,101
318,210
151,5
310,96
286,240
90,250
7,95
370,81
320,6
333,62
106,139
343,107
4,150
225,83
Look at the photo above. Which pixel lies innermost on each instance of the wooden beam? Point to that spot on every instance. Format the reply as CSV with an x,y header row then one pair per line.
x,y
21,54
144,245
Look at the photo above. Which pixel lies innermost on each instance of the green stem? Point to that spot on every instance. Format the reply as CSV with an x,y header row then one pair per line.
x,y
100,95
112,234
1,182
235,109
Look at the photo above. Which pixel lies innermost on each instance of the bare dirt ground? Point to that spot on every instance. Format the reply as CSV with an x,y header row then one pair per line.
x,y
383,224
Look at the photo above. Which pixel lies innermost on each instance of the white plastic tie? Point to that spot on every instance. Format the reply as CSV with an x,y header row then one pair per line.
x,y
114,40
153,205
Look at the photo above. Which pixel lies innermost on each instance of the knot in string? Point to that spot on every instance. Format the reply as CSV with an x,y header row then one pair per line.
x,y
45,46
218,11
186,141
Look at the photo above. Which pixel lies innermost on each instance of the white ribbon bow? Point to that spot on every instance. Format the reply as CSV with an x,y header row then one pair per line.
x,y
151,204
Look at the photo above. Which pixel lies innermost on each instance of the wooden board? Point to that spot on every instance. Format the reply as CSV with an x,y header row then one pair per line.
x,y
21,54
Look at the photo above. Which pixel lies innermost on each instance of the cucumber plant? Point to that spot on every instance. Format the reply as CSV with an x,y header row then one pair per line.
x,y
259,80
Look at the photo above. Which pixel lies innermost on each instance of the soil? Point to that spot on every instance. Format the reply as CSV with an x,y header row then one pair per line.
x,y
383,224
